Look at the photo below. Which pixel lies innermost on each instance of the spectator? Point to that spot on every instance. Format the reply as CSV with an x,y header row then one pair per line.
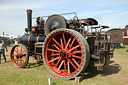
x,y
16,41
2,46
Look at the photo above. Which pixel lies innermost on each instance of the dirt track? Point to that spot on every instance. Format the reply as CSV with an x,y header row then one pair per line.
x,y
114,74
119,69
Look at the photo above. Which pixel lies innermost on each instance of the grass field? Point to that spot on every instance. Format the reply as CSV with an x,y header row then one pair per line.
x,y
36,74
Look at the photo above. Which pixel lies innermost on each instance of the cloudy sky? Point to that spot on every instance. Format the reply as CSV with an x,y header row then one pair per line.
x,y
13,18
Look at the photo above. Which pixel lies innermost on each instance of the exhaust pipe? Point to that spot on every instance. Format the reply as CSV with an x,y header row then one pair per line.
x,y
29,20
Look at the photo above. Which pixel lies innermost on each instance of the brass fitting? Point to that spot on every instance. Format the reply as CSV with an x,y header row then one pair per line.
x,y
29,11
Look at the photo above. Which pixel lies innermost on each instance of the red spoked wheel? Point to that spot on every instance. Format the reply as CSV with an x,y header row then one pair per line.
x,y
65,53
19,56
37,58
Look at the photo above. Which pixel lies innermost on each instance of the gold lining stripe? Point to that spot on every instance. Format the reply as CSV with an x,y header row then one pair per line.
x,y
38,38
29,39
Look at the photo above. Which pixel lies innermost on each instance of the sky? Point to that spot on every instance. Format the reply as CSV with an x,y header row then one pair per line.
x,y
13,16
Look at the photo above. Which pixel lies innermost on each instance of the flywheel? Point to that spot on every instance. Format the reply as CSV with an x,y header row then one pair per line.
x,y
54,22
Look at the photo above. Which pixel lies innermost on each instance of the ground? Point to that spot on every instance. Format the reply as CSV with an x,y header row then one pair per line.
x,y
36,74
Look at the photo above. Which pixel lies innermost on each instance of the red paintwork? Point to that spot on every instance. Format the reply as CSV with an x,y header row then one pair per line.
x,y
58,64
33,29
125,41
95,27
125,31
83,22
18,51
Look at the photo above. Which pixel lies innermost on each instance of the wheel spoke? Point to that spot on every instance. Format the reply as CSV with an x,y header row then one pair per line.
x,y
68,43
74,48
58,62
54,59
74,52
56,42
62,46
76,56
13,55
68,67
16,60
72,64
64,39
56,54
60,65
64,66
21,50
75,62
16,51
56,47
52,50
22,60
72,42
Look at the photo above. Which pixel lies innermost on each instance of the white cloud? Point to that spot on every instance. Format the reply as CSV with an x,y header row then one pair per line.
x,y
109,12
17,7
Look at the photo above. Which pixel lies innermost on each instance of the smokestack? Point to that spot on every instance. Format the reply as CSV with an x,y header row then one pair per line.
x,y
29,19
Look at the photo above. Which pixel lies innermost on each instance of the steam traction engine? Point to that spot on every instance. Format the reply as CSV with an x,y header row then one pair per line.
x,y
64,45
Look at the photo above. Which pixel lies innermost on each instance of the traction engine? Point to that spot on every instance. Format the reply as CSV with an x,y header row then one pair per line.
x,y
65,47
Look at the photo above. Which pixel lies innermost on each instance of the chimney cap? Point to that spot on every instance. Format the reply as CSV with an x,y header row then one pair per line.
x,y
29,11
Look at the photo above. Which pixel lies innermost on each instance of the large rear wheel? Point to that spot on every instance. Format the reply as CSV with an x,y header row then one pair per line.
x,y
65,54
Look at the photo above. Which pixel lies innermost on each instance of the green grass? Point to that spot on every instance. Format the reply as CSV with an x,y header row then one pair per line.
x,y
122,51
35,74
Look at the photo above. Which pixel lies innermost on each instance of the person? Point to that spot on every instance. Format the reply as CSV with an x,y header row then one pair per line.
x,y
2,46
16,41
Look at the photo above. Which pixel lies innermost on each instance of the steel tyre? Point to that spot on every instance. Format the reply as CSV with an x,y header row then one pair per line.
x,y
65,53
19,56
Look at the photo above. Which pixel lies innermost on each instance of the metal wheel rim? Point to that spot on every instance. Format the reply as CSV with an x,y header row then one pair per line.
x,y
19,56
72,60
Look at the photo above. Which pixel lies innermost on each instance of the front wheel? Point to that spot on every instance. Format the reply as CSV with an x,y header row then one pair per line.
x,y
19,56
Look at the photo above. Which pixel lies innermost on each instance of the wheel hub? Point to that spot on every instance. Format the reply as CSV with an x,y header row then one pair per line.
x,y
17,56
20,56
63,53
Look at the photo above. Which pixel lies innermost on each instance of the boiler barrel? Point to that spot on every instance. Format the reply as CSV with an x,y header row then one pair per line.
x,y
31,39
